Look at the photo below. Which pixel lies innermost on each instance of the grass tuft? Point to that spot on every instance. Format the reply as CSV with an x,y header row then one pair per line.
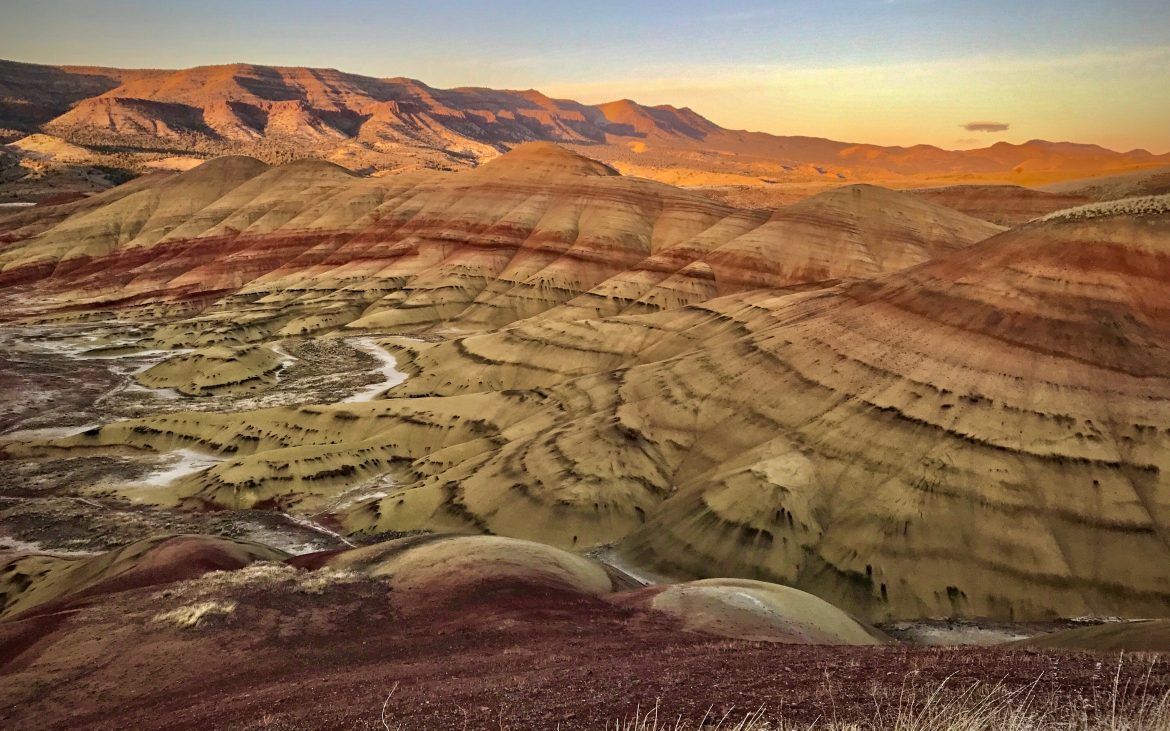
x,y
193,615
1117,706
1147,205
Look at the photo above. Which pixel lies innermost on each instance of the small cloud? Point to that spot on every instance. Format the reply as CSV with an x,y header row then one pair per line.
x,y
986,126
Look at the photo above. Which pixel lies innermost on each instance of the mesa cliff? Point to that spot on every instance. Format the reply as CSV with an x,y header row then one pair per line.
x,y
129,121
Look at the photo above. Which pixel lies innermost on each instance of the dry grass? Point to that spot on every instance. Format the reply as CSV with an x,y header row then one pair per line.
x,y
1147,205
206,598
193,615
980,707
317,582
260,575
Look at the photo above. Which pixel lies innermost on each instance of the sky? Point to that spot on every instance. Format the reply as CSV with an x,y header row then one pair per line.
x,y
952,73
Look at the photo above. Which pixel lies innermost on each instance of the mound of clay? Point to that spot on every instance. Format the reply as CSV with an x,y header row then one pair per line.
x,y
48,147
214,369
437,565
756,610
534,161
427,572
1151,635
436,568
32,581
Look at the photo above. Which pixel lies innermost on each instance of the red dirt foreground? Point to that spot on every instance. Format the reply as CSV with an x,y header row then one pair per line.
x,y
322,644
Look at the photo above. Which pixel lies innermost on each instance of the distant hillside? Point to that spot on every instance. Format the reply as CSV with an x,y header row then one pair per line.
x,y
129,119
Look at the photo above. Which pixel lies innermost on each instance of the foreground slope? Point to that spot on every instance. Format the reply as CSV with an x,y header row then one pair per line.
x,y
426,573
456,632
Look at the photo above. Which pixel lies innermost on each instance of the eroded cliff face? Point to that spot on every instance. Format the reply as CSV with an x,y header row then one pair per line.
x,y
280,113
862,395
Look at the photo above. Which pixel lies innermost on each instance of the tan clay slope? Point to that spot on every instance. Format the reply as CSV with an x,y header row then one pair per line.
x,y
47,147
127,222
17,227
1151,635
1007,205
30,581
307,247
858,231
215,369
985,435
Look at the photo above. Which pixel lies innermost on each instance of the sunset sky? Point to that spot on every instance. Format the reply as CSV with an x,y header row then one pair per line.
x,y
945,72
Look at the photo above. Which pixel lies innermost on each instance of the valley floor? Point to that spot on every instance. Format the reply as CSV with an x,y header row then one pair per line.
x,y
62,381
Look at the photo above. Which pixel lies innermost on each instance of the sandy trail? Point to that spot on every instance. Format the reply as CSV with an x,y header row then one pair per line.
x,y
10,547
389,368
179,463
49,432
318,528
286,357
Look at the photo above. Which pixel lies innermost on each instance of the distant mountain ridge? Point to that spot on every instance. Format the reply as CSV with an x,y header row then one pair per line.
x,y
370,124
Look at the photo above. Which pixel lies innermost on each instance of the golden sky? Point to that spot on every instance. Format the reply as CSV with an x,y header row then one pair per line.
x,y
894,72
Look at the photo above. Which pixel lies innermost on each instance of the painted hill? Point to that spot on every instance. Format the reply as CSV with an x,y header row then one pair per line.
x,y
984,434
893,406
539,228
369,124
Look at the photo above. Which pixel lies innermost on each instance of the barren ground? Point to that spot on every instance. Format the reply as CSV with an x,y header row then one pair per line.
x,y
505,657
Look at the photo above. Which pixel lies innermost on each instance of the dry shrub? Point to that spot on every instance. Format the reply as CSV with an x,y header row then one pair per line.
x,y
261,575
316,582
193,615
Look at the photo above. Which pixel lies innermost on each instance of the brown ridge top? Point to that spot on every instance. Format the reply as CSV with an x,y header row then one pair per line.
x,y
533,161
